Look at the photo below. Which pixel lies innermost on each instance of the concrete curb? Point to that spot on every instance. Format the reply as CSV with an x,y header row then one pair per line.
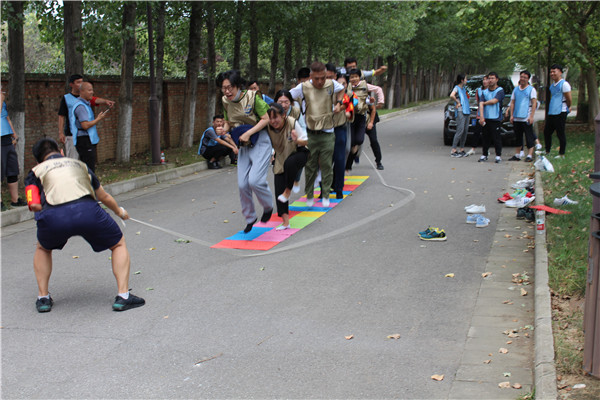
x,y
21,214
544,368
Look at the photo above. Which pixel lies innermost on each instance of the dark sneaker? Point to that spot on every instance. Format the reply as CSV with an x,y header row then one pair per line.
x,y
18,203
528,159
44,304
380,166
133,301
266,216
482,159
514,158
356,160
213,165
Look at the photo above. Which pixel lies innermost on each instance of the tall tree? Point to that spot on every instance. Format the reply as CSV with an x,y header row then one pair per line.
x,y
191,76
16,71
254,28
72,39
237,34
160,55
126,88
212,61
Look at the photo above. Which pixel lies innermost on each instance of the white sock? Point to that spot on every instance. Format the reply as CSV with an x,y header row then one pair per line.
x,y
124,295
44,297
498,158
521,154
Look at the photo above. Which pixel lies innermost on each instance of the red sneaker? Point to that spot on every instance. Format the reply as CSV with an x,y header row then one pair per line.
x,y
505,198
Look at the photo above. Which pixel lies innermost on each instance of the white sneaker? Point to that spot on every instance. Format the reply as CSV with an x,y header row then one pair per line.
x,y
476,209
482,222
559,156
470,153
325,202
282,198
519,202
472,218
523,184
282,228
538,146
564,201
469,206
310,202
296,188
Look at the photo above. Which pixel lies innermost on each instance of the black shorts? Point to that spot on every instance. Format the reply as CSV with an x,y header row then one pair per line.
x,y
10,162
85,218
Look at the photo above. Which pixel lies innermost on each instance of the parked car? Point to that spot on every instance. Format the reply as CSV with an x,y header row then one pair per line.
x,y
506,130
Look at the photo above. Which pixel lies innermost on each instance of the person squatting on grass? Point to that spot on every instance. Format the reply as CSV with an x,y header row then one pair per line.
x,y
64,193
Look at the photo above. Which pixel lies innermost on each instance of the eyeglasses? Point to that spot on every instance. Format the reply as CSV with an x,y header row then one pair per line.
x,y
227,88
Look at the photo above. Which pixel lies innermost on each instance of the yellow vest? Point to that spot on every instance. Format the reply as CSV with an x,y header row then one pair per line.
x,y
64,180
319,105
282,143
362,92
241,112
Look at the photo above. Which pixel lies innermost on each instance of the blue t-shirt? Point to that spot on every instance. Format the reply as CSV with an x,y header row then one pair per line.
x,y
5,127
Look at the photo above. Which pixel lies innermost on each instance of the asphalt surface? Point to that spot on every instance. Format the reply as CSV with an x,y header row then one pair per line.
x,y
247,324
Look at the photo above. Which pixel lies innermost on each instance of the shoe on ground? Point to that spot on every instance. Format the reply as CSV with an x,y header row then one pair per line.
x,y
528,159
469,206
482,222
325,202
498,160
514,158
455,154
560,156
564,201
538,146
521,212
437,236
266,215
296,188
472,218
282,227
529,215
44,304
523,183
18,203
339,195
282,198
428,230
482,159
122,304
310,202
505,198
519,201
213,165
462,153
469,153
476,209
380,166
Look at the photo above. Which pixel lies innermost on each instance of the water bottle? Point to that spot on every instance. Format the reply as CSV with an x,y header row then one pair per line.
x,y
540,220
162,157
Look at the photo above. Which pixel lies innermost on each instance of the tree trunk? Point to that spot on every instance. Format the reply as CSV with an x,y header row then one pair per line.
x,y
191,76
288,70
253,41
309,56
16,82
72,39
126,88
160,57
212,62
593,101
391,82
274,62
298,53
409,82
237,34
400,84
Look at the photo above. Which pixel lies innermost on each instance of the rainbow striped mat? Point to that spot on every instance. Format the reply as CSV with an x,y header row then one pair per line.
x,y
263,236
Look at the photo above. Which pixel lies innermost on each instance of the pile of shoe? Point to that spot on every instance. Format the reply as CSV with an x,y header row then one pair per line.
x,y
475,216
522,196
433,234
475,209
524,184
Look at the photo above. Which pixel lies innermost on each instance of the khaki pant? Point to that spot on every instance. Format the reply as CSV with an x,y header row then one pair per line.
x,y
321,145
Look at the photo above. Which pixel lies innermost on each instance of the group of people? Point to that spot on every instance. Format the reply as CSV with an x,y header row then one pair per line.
x,y
303,128
523,104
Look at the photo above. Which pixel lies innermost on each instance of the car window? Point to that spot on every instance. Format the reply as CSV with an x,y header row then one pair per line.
x,y
473,84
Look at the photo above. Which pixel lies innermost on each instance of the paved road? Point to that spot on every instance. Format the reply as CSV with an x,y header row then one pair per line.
x,y
232,323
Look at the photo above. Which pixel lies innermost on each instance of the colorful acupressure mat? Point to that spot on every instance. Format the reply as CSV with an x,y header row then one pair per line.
x,y
263,236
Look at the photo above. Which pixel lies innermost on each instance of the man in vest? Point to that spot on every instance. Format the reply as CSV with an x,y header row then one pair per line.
x,y
66,103
558,108
490,110
523,104
64,195
83,125
323,97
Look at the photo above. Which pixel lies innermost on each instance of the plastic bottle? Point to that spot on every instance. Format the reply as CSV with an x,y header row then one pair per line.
x,y
162,157
540,220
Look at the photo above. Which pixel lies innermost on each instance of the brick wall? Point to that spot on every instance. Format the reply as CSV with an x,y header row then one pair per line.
x,y
42,99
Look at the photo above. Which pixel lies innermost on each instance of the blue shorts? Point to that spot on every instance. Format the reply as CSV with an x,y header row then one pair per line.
x,y
85,218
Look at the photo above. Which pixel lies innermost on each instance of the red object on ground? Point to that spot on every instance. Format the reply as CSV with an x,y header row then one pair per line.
x,y
505,198
550,209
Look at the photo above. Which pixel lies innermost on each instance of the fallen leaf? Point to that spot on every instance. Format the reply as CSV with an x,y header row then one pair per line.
x,y
261,268
503,350
507,236
509,342
166,316
394,336
486,274
225,221
523,292
507,374
451,275
487,361
149,288
475,240
137,272
152,248
437,377
517,386
181,240
349,337
504,385
75,256
138,233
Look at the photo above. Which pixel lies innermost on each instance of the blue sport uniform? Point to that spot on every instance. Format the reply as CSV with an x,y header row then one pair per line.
x,y
84,217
